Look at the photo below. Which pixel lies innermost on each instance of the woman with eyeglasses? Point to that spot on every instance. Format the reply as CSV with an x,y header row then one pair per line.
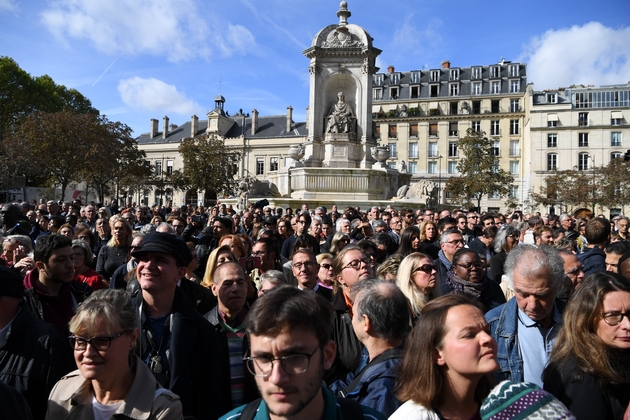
x,y
416,279
111,382
467,277
325,275
350,266
589,369
507,238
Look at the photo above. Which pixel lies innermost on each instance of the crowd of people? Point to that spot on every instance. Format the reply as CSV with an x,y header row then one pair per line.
x,y
203,313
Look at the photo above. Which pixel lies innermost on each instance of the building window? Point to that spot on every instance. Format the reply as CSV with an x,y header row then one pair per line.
x,y
413,130
169,167
494,195
393,93
476,107
583,161
378,79
391,165
435,91
476,73
515,167
454,74
552,140
433,167
415,91
395,78
392,131
615,139
415,77
377,130
552,98
433,149
475,125
158,167
453,108
452,149
260,166
413,167
494,128
496,147
273,164
552,162
433,130
514,127
615,121
515,105
452,129
494,71
582,139
393,152
513,70
413,150
452,167
494,106
552,123
435,75
495,87
515,86
514,192
583,119
377,94
616,155
476,88
515,148
454,89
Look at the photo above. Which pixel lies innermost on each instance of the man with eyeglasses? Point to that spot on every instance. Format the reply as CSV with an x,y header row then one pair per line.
x,y
450,242
264,249
305,269
290,348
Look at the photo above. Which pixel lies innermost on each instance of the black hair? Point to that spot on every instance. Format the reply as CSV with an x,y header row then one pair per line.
x,y
46,244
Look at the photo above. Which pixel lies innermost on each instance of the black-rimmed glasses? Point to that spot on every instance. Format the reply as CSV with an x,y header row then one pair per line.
x,y
293,364
98,343
356,264
470,266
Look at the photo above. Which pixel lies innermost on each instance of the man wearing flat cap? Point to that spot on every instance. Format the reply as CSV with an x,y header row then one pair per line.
x,y
33,354
180,347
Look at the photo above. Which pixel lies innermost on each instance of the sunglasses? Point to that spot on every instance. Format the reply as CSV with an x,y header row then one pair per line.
x,y
426,268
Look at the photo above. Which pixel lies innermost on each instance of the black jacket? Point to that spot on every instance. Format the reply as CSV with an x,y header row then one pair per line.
x,y
251,389
348,345
198,373
34,358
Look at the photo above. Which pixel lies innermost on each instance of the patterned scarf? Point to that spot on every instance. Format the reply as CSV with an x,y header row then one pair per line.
x,y
445,260
460,286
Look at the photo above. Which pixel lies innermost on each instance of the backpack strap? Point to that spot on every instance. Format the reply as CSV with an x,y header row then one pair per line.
x,y
389,354
351,409
249,412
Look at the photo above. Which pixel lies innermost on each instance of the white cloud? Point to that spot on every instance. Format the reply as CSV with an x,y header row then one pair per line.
x,y
409,37
176,29
153,94
8,6
589,54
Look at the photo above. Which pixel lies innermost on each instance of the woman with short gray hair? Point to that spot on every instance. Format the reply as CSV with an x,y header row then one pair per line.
x,y
507,238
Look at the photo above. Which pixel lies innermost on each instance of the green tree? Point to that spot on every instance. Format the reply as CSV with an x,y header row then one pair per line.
x,y
208,165
614,184
479,170
571,188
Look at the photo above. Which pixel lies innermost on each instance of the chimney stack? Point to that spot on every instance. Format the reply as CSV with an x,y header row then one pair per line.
x,y
165,131
390,69
194,126
254,121
446,64
154,127
289,118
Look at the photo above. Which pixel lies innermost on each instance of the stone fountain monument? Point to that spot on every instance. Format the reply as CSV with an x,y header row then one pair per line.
x,y
340,161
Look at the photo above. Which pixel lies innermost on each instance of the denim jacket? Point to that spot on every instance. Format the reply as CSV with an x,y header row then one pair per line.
x,y
503,322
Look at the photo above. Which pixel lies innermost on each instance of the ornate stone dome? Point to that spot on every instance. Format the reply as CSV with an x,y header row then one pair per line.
x,y
343,34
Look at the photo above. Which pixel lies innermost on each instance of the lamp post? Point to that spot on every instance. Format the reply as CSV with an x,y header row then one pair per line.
x,y
440,180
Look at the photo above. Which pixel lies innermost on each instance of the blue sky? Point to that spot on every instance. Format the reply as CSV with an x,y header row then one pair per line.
x,y
142,59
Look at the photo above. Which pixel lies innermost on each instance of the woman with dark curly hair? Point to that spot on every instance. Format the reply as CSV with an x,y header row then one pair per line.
x,y
589,369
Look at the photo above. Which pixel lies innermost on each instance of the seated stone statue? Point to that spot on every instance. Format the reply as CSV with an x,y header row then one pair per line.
x,y
340,118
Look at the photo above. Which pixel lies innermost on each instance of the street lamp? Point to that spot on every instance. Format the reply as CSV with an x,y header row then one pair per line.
x,y
440,180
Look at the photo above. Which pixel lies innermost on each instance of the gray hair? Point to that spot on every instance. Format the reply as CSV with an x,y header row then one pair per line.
x,y
113,306
23,240
165,227
531,259
563,217
340,222
317,218
379,223
85,247
501,238
385,306
446,234
275,277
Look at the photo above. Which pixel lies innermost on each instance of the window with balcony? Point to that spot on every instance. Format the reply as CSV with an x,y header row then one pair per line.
x,y
583,159
452,129
433,130
514,127
582,139
454,89
475,125
495,106
413,150
452,167
392,131
495,86
552,140
393,151
515,105
515,167
515,86
583,119
615,139
413,167
413,131
495,147
433,149
260,166
495,128
452,149
432,169
515,148
273,164
552,162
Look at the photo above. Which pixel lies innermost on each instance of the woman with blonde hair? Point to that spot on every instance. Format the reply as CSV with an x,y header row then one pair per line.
x,y
217,257
428,232
416,279
114,254
236,245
